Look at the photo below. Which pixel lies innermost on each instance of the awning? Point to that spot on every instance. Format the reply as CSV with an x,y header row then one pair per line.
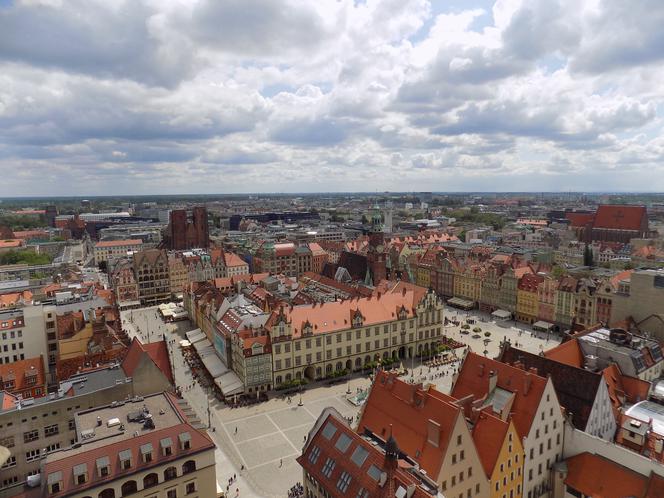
x,y
229,383
195,335
502,314
544,326
202,345
458,302
211,361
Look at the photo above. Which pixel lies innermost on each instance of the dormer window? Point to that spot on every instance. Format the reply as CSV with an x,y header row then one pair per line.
x,y
146,452
125,459
103,466
80,473
166,445
185,441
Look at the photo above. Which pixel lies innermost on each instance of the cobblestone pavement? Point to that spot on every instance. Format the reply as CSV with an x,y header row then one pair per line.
x,y
259,443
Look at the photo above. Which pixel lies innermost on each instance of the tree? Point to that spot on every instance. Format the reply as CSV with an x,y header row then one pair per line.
x,y
557,272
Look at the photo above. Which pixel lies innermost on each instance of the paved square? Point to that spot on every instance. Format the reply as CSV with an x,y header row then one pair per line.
x,y
296,435
291,417
250,428
265,449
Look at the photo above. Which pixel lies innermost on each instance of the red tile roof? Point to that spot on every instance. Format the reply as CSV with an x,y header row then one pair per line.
x,y
156,351
596,476
20,372
489,434
406,409
473,380
578,220
620,217
232,259
568,352
117,243
327,448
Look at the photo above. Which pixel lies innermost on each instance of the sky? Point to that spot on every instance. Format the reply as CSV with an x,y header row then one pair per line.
x,y
104,97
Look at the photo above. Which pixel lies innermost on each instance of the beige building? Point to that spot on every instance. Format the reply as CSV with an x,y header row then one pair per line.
x,y
178,274
527,399
108,250
313,341
143,445
640,298
431,429
32,428
152,276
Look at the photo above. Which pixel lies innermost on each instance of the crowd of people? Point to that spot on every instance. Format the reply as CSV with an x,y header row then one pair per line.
x,y
296,491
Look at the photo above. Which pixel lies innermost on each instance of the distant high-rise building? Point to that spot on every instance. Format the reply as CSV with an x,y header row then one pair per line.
x,y
188,233
50,213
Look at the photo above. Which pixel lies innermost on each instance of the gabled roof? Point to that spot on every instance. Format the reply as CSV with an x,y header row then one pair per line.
x,y
578,220
576,387
20,371
568,352
406,409
332,440
489,434
473,380
157,352
620,217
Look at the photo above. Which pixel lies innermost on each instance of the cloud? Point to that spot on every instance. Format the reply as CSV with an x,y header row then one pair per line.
x,y
205,96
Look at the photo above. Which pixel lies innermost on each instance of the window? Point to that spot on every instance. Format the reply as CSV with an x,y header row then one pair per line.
x,y
31,455
315,452
459,440
454,458
461,454
32,435
343,482
51,430
328,467
172,493
190,487
11,462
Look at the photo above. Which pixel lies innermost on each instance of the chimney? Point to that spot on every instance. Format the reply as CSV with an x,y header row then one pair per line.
x,y
493,380
526,384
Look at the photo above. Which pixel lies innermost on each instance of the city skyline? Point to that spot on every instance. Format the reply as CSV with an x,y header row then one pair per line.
x,y
202,97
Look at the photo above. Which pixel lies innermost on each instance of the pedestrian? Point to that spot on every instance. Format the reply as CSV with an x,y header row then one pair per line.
x,y
236,429
281,462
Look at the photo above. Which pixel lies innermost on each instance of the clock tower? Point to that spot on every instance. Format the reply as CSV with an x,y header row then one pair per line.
x,y
376,252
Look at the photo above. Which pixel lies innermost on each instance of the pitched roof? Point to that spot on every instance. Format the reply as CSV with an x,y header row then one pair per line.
x,y
568,352
623,388
332,440
620,217
232,259
156,351
407,409
473,380
489,434
576,387
20,371
596,476
579,219
337,315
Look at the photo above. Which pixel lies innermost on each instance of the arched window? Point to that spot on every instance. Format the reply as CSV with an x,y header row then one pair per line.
x,y
279,380
150,480
129,488
170,473
107,493
188,467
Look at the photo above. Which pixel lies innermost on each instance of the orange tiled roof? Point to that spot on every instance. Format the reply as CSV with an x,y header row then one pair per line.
x,y
21,370
13,298
568,352
9,243
232,259
579,219
473,380
337,315
596,476
406,409
489,434
156,351
116,243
